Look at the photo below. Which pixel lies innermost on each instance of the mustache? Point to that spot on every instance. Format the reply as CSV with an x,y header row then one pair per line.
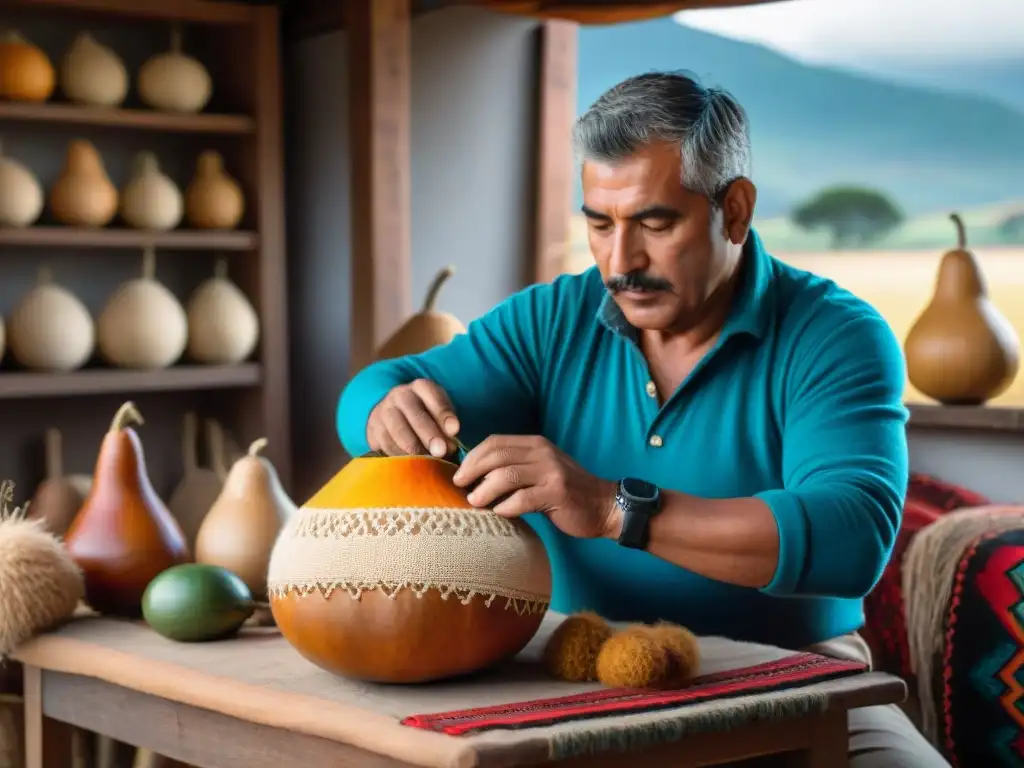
x,y
637,281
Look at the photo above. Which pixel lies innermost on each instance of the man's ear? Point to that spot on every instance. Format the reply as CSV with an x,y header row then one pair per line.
x,y
738,210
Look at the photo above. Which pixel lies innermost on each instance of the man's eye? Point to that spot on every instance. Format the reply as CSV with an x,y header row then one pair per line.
x,y
657,225
601,226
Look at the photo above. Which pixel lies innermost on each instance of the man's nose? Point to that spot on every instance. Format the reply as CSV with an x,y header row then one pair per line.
x,y
627,251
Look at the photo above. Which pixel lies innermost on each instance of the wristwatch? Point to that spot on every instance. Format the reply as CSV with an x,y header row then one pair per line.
x,y
639,502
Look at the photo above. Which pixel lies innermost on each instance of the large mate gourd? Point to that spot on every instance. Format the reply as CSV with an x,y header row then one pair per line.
x,y
961,349
123,536
389,574
426,329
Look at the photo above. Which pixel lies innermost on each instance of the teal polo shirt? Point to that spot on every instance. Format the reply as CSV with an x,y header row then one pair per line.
x,y
799,403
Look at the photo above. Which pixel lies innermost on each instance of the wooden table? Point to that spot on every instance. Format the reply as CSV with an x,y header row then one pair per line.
x,y
211,739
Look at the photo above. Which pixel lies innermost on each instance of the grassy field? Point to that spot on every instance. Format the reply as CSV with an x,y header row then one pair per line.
x,y
897,279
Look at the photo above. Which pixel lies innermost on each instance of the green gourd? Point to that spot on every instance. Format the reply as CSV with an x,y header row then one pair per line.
x,y
195,602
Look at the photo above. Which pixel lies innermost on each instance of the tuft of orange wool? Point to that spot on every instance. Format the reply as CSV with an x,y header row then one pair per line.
x,y
633,658
684,650
572,650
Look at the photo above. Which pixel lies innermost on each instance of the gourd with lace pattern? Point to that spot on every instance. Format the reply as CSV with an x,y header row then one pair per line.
x,y
389,574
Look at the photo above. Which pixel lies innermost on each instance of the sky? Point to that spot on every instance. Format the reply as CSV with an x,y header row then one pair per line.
x,y
850,31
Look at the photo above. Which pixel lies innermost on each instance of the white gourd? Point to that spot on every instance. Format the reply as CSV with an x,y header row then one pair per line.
x,y
50,329
143,325
222,324
150,199
21,196
93,74
174,81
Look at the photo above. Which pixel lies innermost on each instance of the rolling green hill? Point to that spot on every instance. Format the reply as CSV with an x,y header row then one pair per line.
x,y
817,126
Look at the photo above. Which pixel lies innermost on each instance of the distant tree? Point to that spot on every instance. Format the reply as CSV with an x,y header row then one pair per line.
x,y
854,215
1011,228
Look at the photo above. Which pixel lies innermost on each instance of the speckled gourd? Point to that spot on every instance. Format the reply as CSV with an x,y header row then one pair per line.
x,y
389,574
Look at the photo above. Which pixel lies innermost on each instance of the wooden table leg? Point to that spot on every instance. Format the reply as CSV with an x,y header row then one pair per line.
x,y
830,744
33,695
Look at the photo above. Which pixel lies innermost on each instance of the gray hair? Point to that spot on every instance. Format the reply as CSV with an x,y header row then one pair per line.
x,y
708,124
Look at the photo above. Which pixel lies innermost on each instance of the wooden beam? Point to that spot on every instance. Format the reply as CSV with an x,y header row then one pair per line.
x,y
556,111
379,70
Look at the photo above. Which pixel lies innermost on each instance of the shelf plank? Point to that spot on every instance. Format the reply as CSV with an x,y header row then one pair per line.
x,y
104,381
145,119
189,11
83,237
986,418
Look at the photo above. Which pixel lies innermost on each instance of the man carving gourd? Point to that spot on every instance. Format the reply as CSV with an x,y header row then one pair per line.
x,y
699,433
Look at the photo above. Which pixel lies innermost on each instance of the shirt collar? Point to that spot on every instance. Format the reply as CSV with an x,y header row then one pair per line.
x,y
753,309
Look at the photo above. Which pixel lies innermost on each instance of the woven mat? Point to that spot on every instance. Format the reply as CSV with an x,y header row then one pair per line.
x,y
258,677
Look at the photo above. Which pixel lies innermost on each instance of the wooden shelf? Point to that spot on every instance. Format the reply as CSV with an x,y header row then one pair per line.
x,y
81,237
966,417
191,11
104,381
146,119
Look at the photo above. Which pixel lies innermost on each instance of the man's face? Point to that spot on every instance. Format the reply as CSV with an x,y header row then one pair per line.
x,y
661,249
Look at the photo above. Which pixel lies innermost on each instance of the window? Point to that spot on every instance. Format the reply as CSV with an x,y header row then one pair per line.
x,y
871,121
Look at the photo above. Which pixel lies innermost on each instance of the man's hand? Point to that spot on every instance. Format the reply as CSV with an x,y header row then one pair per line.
x,y
416,418
531,475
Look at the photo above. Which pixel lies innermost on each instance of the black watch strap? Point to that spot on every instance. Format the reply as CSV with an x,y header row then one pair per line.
x,y
639,501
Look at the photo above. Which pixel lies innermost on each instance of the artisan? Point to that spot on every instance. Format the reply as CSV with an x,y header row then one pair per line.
x,y
698,432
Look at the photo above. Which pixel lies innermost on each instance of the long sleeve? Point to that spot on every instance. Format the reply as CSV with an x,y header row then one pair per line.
x,y
492,373
844,448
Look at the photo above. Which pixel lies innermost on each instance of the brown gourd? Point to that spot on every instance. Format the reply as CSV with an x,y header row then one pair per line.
x,y
389,574
123,536
961,350
426,329
199,487
26,73
241,527
59,497
83,195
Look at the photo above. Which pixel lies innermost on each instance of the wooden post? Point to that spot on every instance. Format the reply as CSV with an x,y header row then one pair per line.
x,y
556,111
379,69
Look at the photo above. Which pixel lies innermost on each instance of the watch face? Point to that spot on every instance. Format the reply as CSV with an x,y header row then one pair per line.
x,y
639,489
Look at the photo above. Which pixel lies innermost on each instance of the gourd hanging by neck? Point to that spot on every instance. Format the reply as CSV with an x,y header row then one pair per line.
x,y
961,349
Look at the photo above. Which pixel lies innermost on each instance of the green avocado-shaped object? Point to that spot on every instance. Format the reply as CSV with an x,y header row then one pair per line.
x,y
195,602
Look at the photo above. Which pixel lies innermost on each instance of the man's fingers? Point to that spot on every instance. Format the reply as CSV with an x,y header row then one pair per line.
x,y
423,424
494,452
436,401
502,482
398,429
519,503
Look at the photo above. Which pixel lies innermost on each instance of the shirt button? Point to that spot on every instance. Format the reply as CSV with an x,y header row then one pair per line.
x,y
652,389
656,441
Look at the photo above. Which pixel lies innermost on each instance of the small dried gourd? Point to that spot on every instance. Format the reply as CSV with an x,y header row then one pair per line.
x,y
92,73
50,329
239,531
143,325
222,324
961,350
174,81
213,200
83,195
150,199
26,73
426,329
21,196
58,497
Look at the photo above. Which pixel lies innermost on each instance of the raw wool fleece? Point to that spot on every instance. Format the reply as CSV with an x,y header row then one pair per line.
x,y
464,554
40,585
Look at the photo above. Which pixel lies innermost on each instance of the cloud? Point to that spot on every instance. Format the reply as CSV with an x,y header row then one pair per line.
x,y
848,31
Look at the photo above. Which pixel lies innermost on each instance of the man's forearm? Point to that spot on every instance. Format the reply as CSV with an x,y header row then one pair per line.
x,y
730,540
